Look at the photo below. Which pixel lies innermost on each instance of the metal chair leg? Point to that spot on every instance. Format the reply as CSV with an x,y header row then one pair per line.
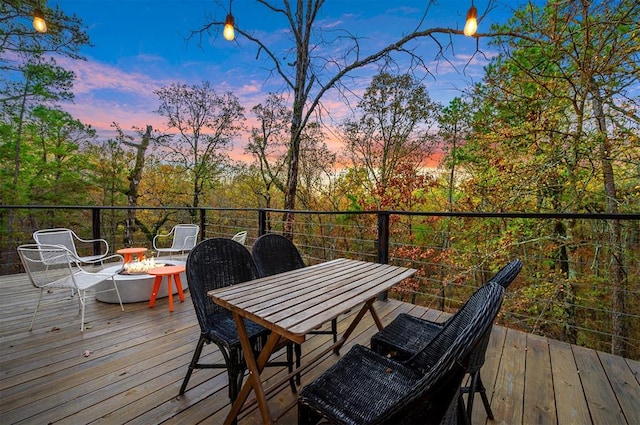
x,y
461,413
296,380
236,376
483,394
334,330
33,318
298,351
476,386
192,365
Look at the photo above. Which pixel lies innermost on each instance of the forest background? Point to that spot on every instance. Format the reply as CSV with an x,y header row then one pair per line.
x,y
551,128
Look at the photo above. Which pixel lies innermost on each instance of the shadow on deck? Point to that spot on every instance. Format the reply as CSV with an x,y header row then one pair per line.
x,y
128,367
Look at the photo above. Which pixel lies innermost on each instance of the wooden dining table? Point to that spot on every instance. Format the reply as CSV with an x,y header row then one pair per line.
x,y
293,303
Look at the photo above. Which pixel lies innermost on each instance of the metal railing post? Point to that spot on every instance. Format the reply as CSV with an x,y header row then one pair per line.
x,y
383,244
262,222
383,237
95,228
203,224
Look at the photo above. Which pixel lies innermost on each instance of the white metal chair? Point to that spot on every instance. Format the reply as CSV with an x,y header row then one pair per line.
x,y
240,237
185,237
67,238
54,266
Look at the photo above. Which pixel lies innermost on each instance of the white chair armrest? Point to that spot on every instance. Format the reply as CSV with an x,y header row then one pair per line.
x,y
119,263
103,242
192,239
156,237
113,260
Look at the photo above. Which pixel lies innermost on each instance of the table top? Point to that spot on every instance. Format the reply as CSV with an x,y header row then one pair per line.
x,y
295,302
132,250
166,270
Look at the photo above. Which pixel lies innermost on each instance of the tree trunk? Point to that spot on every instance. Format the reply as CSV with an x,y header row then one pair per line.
x,y
302,31
292,185
134,185
567,296
294,164
617,273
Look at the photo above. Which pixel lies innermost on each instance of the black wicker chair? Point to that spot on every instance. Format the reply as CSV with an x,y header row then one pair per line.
x,y
406,334
273,254
217,263
365,387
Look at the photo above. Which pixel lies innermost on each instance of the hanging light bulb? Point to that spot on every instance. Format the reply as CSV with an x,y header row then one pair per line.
x,y
39,23
472,21
229,32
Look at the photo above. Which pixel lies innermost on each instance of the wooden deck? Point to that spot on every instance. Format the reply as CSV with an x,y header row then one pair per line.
x,y
127,368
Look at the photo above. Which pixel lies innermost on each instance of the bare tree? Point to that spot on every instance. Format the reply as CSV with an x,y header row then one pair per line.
x,y
318,163
134,177
267,143
206,124
309,76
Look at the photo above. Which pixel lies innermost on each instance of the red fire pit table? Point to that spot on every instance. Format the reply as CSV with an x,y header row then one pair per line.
x,y
128,253
172,272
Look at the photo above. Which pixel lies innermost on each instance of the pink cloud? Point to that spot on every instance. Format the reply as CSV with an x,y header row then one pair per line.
x,y
106,94
91,76
101,115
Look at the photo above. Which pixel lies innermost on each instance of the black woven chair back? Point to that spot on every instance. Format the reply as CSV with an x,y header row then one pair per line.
x,y
503,277
507,274
440,359
212,264
274,254
472,322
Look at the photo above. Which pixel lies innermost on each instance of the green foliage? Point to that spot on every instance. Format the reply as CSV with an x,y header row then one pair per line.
x,y
206,123
388,135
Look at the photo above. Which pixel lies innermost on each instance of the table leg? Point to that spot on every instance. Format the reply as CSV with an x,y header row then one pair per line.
x,y
375,316
156,288
255,367
127,258
178,283
368,306
170,291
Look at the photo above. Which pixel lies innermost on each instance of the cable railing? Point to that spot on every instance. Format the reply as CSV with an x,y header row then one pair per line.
x,y
580,283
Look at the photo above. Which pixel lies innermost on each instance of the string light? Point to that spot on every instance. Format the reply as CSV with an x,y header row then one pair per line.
x,y
229,32
39,24
472,21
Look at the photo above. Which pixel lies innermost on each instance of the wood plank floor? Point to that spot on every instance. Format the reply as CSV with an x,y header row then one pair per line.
x,y
127,367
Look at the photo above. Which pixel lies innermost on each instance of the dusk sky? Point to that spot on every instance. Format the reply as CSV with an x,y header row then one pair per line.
x,y
140,46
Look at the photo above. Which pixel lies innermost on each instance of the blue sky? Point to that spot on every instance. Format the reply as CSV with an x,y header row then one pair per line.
x,y
140,46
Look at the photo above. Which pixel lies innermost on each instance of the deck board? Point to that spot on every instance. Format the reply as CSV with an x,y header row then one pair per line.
x,y
507,402
138,360
489,372
635,368
601,400
539,402
624,386
570,402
